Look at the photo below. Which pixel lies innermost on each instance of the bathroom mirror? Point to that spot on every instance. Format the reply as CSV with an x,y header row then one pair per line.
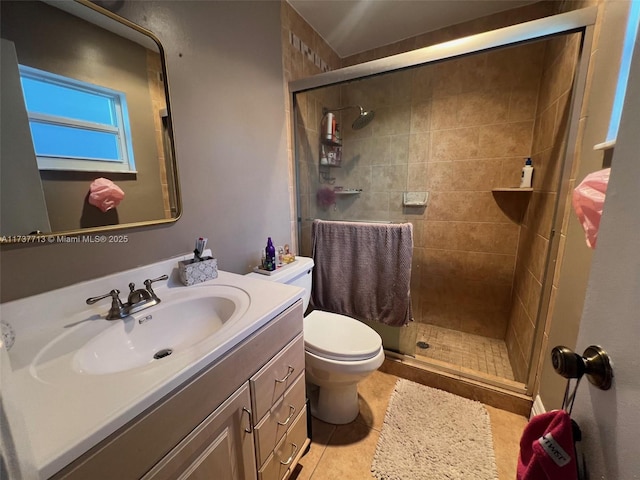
x,y
75,48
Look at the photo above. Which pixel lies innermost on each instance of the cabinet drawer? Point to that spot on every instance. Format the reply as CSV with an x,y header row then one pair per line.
x,y
279,419
287,450
272,380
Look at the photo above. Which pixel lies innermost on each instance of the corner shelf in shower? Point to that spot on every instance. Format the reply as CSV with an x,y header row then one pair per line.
x,y
513,206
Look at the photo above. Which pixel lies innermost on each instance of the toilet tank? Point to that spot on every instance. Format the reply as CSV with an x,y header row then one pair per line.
x,y
297,273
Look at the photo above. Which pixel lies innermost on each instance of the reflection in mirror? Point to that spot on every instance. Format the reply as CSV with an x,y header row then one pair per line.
x,y
54,147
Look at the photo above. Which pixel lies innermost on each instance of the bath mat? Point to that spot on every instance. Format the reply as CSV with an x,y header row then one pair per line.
x,y
429,434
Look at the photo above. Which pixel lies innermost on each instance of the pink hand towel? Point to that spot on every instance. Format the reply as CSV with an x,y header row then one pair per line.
x,y
547,450
105,194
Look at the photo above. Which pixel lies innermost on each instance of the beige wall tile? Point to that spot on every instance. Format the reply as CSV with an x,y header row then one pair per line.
x,y
489,267
417,177
455,144
471,236
398,149
505,140
533,302
464,207
476,175
544,129
390,121
539,216
482,107
419,147
421,117
388,178
439,176
444,112
447,79
522,104
422,83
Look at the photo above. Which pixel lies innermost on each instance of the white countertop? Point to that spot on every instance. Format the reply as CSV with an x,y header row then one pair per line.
x,y
55,414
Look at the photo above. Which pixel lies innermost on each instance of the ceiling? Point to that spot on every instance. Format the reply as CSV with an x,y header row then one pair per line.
x,y
354,26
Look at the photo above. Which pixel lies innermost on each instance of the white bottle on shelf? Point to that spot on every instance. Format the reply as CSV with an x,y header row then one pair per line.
x,y
527,174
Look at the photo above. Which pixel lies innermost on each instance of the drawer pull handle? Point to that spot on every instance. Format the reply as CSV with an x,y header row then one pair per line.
x,y
250,429
293,454
292,411
290,370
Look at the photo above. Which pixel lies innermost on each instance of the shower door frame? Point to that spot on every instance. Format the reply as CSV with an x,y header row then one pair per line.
x,y
577,21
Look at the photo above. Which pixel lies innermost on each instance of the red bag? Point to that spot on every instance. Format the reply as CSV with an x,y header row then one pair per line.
x,y
547,448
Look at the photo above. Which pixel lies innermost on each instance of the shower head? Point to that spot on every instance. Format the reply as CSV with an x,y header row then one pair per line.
x,y
361,120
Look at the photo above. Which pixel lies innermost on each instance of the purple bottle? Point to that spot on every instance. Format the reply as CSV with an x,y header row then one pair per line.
x,y
270,261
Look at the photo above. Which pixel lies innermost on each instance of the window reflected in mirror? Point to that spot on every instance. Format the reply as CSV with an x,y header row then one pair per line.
x,y
86,96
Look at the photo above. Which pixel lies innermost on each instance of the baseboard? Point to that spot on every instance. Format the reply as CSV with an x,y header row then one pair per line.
x,y
538,407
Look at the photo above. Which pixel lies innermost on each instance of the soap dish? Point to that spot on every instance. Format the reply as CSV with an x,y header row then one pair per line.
x,y
415,199
197,272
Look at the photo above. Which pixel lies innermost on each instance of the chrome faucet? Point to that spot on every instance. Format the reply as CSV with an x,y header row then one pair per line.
x,y
138,299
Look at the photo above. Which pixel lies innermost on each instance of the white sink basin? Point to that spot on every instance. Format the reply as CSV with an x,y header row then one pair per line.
x,y
162,331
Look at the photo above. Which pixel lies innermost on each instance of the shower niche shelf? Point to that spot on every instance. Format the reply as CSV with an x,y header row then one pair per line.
x,y
513,206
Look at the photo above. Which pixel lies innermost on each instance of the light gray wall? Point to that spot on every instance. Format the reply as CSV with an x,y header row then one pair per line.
x,y
224,62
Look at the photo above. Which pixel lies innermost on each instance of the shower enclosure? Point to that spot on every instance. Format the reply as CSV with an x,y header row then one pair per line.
x,y
452,128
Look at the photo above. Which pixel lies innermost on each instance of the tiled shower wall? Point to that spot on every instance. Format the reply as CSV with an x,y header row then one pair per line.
x,y
457,129
549,139
158,100
297,64
468,203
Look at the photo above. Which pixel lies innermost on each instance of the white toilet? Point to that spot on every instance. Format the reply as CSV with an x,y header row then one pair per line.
x,y
339,351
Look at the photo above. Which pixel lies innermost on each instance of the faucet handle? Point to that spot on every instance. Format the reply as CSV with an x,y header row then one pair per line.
x,y
148,282
114,294
117,310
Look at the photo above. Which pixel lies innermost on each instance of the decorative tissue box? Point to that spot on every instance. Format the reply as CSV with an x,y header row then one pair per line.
x,y
196,272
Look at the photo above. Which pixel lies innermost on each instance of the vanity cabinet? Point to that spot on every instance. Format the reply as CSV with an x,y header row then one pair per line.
x,y
221,447
241,418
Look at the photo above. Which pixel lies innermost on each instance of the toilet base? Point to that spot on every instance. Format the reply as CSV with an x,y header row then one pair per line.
x,y
337,405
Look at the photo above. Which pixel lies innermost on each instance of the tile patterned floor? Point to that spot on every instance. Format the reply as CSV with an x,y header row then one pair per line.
x,y
481,354
346,451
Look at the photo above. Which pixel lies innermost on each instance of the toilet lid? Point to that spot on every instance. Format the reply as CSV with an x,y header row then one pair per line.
x,y
339,337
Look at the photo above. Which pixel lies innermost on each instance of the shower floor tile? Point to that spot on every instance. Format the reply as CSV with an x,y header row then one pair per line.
x,y
475,352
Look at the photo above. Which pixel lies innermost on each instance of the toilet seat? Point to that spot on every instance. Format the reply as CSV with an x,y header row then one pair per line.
x,y
339,337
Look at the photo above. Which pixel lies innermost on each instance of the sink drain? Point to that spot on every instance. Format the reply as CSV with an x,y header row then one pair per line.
x,y
165,352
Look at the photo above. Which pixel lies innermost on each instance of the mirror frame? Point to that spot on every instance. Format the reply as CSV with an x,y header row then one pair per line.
x,y
68,236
